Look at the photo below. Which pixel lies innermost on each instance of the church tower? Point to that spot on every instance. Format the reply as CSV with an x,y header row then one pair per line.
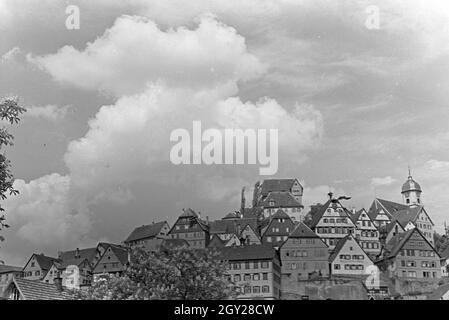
x,y
411,191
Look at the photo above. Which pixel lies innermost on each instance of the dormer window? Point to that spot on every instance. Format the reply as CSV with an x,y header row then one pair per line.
x,y
271,203
407,201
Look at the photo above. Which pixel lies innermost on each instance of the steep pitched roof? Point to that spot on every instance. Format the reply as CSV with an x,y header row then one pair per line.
x,y
121,254
45,262
270,185
280,214
280,199
77,256
409,214
338,248
146,231
399,240
302,231
391,207
38,290
319,214
189,213
251,252
340,245
355,217
222,226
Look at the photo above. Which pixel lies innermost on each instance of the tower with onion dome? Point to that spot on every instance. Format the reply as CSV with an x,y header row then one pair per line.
x,y
411,191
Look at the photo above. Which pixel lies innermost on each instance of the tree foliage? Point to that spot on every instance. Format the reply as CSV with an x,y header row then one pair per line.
x,y
9,113
169,274
441,242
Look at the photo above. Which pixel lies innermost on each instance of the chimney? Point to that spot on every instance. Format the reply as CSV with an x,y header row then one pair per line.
x,y
207,219
58,283
59,254
77,254
199,215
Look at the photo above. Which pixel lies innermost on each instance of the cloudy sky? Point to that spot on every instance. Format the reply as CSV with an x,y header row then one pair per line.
x,y
354,106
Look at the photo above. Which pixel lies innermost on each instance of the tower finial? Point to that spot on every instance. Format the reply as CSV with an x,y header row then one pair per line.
x,y
409,171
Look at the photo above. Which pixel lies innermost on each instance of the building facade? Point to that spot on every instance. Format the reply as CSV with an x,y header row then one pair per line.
x,y
410,256
304,256
366,232
349,259
332,222
255,270
6,275
191,228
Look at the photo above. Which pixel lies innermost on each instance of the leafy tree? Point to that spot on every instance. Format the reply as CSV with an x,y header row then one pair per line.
x,y
441,242
169,274
9,112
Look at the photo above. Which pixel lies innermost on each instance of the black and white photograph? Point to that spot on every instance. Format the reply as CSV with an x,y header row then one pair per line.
x,y
224,155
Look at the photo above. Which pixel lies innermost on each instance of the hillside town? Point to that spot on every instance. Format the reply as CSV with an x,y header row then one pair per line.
x,y
275,249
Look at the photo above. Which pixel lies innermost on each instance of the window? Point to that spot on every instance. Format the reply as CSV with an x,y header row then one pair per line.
x,y
256,265
337,266
265,276
325,220
256,277
412,274
256,289
264,264
236,266
411,263
268,239
247,265
247,289
32,264
265,289
237,278
247,277
37,273
177,228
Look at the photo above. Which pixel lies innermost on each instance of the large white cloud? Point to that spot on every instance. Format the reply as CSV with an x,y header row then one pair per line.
x,y
135,52
163,80
43,215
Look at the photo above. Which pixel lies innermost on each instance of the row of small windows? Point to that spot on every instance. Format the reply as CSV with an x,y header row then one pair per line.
x,y
337,220
249,277
30,273
276,229
424,264
304,253
339,210
424,226
247,265
369,245
302,241
414,274
306,266
415,253
332,241
353,257
337,230
349,266
188,235
366,223
255,289
369,234
277,239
